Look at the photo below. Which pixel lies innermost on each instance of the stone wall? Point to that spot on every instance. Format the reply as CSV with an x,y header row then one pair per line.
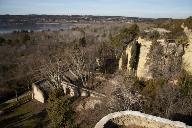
x,y
70,90
74,90
37,94
128,118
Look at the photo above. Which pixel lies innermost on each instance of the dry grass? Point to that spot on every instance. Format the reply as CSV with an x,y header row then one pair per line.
x,y
133,126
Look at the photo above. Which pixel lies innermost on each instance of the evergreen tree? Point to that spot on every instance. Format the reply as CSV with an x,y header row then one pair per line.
x,y
59,110
135,51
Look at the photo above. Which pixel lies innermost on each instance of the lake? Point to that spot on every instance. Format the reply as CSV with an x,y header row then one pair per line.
x,y
34,27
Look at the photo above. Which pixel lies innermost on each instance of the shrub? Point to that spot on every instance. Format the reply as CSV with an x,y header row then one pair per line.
x,y
60,110
82,42
2,41
185,83
135,51
125,36
26,38
188,22
107,58
152,86
154,35
154,60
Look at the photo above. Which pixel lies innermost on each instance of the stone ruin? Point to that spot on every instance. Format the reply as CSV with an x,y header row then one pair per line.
x,y
135,119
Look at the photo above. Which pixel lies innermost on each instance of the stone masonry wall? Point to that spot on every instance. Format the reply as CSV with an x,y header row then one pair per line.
x,y
126,118
37,94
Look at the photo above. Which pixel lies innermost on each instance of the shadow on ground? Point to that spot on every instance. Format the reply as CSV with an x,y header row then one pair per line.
x,y
29,115
183,118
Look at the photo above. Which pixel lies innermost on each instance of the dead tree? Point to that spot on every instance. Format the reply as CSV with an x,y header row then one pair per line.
x,y
82,65
123,97
53,70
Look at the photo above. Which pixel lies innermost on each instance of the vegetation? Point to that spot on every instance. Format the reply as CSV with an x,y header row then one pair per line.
x,y
126,36
25,38
91,54
27,57
185,83
164,99
155,59
60,110
107,58
135,51
154,35
176,30
82,42
188,23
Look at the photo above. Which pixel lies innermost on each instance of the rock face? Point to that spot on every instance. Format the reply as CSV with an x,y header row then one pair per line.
x,y
129,118
142,70
173,57
187,58
125,59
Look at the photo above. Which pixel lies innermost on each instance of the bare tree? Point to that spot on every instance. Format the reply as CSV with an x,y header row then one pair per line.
x,y
82,65
53,69
123,97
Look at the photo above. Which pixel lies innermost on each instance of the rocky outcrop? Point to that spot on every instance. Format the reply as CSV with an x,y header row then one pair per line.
x,y
142,70
125,59
129,118
187,58
171,57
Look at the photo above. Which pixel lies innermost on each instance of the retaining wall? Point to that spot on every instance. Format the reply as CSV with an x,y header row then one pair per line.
x,y
127,118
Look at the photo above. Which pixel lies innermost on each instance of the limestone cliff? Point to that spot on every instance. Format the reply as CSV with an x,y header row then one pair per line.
x,y
169,61
142,70
125,59
187,58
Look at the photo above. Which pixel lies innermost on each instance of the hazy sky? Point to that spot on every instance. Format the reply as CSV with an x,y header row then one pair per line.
x,y
139,8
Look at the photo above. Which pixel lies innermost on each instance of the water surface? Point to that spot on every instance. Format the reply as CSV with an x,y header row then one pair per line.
x,y
34,27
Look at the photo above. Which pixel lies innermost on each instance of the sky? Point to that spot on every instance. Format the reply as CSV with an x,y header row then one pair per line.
x,y
131,8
